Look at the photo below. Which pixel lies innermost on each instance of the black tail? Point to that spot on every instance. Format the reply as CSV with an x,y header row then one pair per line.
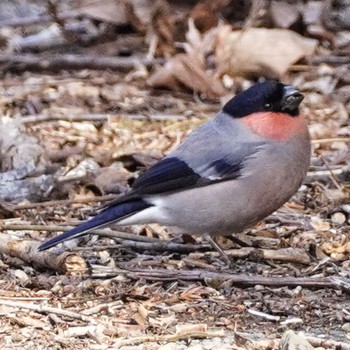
x,y
108,216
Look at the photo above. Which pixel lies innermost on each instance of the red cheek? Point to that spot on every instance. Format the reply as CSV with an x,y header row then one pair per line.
x,y
275,126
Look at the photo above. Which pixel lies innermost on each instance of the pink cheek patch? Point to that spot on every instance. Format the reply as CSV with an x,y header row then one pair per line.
x,y
275,126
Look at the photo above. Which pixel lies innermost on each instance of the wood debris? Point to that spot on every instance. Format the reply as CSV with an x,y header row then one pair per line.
x,y
91,95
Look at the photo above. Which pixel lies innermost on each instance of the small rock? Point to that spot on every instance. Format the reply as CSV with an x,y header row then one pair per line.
x,y
338,218
21,276
346,327
259,288
346,208
292,341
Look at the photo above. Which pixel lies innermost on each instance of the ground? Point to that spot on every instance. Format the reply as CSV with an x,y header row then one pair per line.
x,y
89,134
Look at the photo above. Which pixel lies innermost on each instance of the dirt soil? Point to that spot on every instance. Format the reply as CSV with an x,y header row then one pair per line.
x,y
93,132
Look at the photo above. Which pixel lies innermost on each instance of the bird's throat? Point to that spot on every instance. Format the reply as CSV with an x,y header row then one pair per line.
x,y
275,126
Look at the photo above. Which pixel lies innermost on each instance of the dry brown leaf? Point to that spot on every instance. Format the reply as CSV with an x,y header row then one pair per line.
x,y
108,11
199,45
188,71
260,52
205,14
112,179
163,28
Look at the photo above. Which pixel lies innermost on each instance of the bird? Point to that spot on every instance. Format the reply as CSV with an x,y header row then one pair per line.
x,y
225,176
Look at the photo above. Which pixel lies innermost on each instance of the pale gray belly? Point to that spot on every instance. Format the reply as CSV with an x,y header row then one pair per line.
x,y
231,206
224,208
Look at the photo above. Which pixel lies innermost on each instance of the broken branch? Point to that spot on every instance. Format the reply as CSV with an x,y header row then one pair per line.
x,y
46,310
33,62
27,251
236,280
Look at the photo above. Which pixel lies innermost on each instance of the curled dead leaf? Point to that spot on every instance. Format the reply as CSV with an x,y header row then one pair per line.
x,y
112,179
188,71
260,51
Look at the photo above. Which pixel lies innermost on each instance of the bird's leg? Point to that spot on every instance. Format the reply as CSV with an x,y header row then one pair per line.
x,y
217,247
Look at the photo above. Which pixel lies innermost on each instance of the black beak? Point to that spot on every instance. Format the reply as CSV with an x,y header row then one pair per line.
x,y
291,100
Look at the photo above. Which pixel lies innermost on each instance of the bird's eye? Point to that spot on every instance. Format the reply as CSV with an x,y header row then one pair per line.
x,y
267,105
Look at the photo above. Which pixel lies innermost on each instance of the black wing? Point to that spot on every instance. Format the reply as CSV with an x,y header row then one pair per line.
x,y
173,174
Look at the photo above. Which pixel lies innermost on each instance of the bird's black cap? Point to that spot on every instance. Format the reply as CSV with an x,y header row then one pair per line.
x,y
267,96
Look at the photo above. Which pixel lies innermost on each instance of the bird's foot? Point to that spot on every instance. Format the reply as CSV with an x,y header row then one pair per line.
x,y
226,259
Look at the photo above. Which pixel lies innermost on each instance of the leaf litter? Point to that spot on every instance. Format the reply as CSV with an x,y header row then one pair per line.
x,y
92,132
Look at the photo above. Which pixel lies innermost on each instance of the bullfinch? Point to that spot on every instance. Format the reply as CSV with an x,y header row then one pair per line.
x,y
227,175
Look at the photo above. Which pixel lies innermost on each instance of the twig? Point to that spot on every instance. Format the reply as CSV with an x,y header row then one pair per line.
x,y
327,343
341,283
203,275
154,244
330,59
330,140
285,254
46,310
318,175
169,338
64,202
27,251
94,331
97,117
26,119
102,307
257,241
34,62
40,19
198,263
331,174
24,298
163,245
263,315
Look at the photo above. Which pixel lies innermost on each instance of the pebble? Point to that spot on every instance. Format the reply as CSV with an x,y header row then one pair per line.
x,y
346,327
338,218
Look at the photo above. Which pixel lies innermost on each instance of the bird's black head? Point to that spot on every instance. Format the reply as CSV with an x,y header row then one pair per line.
x,y
263,97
